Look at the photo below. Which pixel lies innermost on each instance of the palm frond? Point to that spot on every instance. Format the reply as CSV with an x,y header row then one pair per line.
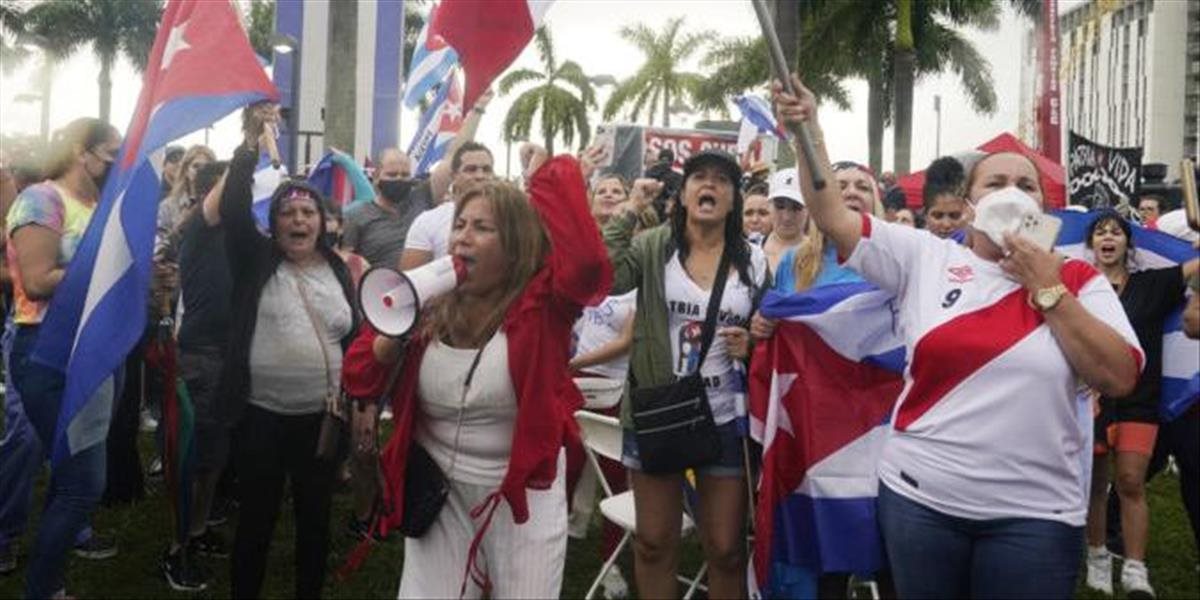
x,y
545,46
570,72
518,77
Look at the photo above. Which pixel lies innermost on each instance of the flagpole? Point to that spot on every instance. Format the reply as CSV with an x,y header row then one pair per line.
x,y
782,72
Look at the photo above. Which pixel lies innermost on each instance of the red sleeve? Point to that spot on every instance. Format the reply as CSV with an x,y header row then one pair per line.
x,y
362,375
578,259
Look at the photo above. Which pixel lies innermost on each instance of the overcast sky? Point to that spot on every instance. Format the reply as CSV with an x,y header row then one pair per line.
x,y
586,31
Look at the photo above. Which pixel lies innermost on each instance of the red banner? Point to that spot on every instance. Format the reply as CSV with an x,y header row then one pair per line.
x,y
685,143
1049,105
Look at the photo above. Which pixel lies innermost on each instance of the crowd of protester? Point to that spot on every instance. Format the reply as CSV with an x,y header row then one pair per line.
x,y
573,271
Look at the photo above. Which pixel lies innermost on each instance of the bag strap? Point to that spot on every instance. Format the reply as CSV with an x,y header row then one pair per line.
x,y
709,330
318,328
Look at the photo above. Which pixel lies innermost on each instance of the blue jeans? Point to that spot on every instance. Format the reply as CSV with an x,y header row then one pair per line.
x,y
76,484
935,555
21,458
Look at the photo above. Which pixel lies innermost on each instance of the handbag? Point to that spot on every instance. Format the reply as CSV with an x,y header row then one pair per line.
x,y
673,423
425,485
334,428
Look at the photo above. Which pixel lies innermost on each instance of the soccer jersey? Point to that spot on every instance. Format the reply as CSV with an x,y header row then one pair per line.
x,y
687,305
49,205
988,425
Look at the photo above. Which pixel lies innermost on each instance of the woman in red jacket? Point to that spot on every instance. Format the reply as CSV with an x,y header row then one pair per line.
x,y
484,388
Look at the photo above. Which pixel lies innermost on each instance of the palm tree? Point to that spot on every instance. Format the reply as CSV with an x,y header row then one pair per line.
x,y
12,23
659,79
127,27
563,111
923,44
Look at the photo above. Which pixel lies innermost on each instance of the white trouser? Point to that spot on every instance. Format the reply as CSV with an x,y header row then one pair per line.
x,y
522,561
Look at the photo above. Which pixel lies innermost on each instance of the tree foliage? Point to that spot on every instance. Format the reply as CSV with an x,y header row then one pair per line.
x,y
660,78
260,26
561,97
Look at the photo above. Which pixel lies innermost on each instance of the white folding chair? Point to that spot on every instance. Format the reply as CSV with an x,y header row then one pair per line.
x,y
602,437
600,393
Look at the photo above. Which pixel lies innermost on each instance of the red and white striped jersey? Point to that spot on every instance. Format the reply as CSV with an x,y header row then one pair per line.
x,y
988,424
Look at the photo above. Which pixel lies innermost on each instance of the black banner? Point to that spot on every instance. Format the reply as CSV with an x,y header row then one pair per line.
x,y
1100,176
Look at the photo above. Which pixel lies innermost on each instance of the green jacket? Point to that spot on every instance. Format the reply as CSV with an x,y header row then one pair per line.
x,y
640,262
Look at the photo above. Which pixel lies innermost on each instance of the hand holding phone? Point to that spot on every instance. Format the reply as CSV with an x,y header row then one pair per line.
x,y
1041,229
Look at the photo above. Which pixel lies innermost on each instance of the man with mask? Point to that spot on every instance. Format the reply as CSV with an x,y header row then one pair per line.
x,y
376,230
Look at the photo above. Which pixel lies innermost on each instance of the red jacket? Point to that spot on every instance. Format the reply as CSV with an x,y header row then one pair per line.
x,y
538,324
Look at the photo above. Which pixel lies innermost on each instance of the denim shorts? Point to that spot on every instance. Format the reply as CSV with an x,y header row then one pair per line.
x,y
730,463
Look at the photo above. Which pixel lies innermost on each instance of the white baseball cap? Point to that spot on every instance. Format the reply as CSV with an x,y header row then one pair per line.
x,y
785,183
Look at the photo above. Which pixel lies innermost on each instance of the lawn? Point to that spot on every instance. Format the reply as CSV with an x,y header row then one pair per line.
x,y
142,532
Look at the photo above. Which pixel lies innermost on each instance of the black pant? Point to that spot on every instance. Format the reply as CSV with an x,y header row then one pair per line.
x,y
269,448
124,480
1179,438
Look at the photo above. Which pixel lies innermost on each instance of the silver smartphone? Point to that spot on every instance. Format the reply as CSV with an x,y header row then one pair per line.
x,y
1041,229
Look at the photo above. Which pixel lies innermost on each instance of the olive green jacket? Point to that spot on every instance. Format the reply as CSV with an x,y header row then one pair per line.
x,y
640,262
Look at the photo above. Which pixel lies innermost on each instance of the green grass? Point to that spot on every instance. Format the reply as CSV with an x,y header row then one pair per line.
x,y
143,530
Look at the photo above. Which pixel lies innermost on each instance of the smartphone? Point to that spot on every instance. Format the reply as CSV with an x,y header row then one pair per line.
x,y
1191,206
1041,229
606,137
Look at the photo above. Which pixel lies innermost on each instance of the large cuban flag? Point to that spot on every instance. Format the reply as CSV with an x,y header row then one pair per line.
x,y
821,392
439,125
432,59
98,312
1155,250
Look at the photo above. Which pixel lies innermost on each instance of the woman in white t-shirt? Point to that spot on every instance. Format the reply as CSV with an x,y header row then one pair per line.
x,y
674,268
983,472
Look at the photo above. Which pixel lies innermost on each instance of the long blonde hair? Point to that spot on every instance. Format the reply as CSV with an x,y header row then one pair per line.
x,y
811,251
523,240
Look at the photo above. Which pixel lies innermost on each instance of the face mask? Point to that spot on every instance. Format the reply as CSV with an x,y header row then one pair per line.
x,y
395,190
1001,212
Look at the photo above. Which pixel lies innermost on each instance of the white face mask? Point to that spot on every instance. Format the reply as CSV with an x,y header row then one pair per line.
x,y
1001,212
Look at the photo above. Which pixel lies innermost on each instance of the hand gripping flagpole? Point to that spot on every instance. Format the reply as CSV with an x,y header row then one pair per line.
x,y
779,65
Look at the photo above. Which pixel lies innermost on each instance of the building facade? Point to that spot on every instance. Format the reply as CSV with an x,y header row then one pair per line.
x,y
1130,76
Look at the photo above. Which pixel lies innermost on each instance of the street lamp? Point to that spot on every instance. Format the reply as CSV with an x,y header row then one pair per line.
x,y
31,42
284,44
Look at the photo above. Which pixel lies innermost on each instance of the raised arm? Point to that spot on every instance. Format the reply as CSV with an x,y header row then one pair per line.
x,y
839,223
579,263
618,236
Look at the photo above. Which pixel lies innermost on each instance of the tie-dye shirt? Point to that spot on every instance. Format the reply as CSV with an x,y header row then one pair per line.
x,y
51,206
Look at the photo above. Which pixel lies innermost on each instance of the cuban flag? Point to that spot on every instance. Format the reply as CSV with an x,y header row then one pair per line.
x,y
439,124
488,36
267,178
757,119
98,312
1155,250
432,60
821,394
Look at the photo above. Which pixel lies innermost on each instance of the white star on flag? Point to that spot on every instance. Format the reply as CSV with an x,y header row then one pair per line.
x,y
175,43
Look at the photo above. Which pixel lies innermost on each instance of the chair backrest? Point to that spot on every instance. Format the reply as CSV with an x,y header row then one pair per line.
x,y
601,434
600,393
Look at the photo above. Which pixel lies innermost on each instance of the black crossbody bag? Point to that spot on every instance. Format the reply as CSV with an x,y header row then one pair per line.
x,y
673,423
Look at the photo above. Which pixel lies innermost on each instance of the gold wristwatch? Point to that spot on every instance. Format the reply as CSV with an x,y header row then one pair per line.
x,y
1047,298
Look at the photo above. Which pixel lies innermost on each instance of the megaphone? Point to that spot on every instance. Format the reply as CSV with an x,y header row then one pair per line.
x,y
391,301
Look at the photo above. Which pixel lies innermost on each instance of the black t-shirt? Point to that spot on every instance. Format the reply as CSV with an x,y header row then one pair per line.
x,y
1149,296
205,283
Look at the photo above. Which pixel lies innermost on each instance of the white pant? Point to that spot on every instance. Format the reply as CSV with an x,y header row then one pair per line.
x,y
522,561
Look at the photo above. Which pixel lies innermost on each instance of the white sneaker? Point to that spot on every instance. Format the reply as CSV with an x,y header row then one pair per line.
x,y
614,584
1135,578
1099,570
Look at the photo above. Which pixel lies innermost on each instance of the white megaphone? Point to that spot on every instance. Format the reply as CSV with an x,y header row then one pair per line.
x,y
391,301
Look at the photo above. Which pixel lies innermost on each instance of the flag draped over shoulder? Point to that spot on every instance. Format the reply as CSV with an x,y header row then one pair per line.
x,y
1155,250
821,392
98,312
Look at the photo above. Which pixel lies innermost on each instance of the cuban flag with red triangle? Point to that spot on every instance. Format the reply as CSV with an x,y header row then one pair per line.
x,y
821,393
201,68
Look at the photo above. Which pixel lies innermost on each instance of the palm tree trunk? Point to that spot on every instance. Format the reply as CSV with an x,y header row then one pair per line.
x,y
340,78
105,80
875,108
902,88
666,107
